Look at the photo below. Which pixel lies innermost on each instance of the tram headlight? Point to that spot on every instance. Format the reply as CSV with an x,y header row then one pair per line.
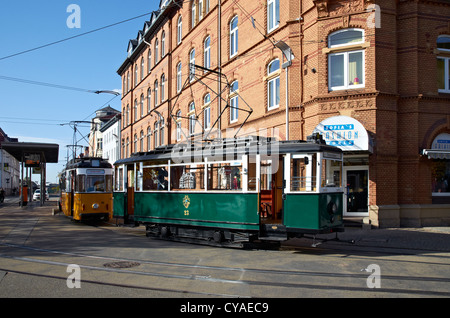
x,y
332,208
95,206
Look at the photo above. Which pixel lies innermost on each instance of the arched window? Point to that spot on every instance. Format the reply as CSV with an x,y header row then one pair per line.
x,y
191,118
156,93
207,53
161,131
346,67
128,114
149,100
207,112
193,15
135,110
149,60
179,83
149,138
156,134
142,105
179,29
136,72
178,119
135,143
234,36
128,81
141,141
443,63
234,102
156,51
200,10
273,84
142,68
163,83
163,44
191,65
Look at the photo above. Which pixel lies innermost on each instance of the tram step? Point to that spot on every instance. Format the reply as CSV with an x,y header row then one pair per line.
x,y
273,238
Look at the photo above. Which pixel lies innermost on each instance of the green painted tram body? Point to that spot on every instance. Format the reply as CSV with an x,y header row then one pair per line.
x,y
314,210
213,210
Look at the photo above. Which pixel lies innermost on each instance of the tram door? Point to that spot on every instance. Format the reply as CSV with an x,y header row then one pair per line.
x,y
130,184
271,193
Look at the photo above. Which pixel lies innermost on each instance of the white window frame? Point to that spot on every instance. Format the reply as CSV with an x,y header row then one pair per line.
x,y
207,112
191,118
346,78
178,121
274,18
234,37
179,83
163,44
446,74
191,65
179,30
207,53
234,103
273,85
163,85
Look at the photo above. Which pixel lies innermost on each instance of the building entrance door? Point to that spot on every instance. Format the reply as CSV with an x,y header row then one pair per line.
x,y
356,191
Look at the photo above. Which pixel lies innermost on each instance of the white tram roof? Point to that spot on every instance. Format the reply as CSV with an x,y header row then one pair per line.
x,y
227,148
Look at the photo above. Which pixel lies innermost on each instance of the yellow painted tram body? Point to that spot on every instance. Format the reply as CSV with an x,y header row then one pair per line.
x,y
86,189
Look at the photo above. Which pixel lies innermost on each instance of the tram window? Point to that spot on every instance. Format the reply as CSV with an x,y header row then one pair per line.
x,y
224,176
266,174
155,178
119,179
189,177
252,178
80,184
108,183
304,173
95,184
331,175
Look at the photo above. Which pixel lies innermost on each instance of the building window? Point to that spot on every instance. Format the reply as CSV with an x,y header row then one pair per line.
x,y
207,53
163,83
234,36
142,69
135,111
149,138
149,100
135,143
156,51
156,93
193,15
149,62
163,44
128,81
191,65
200,10
346,67
141,141
178,119
179,77
128,114
156,135
142,105
273,84
161,131
443,64
191,118
207,112
179,30
136,72
273,15
234,102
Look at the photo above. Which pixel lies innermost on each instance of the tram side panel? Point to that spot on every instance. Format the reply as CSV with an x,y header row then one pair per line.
x,y
314,213
234,211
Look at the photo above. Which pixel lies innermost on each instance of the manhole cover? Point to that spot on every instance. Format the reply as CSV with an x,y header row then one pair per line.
x,y
124,264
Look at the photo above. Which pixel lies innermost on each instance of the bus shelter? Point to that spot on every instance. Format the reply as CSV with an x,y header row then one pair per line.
x,y
32,155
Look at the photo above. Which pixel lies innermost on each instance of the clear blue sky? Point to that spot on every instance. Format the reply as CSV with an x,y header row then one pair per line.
x,y
34,113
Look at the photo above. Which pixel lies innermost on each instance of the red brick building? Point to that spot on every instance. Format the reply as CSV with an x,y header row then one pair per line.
x,y
373,77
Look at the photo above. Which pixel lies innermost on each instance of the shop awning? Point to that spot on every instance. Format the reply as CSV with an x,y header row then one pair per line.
x,y
436,153
47,153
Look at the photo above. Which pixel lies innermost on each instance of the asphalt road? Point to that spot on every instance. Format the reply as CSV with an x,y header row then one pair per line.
x,y
45,255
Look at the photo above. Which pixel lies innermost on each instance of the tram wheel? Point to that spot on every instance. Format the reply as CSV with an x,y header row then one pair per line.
x,y
165,232
218,237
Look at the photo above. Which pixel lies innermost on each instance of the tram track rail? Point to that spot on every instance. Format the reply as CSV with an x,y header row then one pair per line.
x,y
249,277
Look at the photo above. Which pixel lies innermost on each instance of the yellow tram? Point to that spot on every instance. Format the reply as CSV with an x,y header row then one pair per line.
x,y
86,189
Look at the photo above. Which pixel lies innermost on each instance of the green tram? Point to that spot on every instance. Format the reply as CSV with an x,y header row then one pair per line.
x,y
233,191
